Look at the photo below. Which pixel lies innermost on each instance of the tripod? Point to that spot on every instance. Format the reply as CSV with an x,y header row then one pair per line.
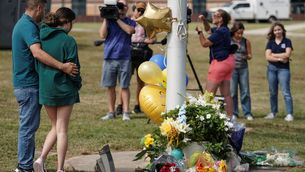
x,y
195,74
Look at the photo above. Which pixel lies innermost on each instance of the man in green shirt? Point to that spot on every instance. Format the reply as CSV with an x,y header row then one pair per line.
x,y
25,49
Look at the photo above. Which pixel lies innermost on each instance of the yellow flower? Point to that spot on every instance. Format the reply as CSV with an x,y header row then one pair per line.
x,y
208,97
148,140
166,127
222,166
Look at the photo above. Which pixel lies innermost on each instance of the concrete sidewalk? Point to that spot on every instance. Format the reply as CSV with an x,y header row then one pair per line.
x,y
123,162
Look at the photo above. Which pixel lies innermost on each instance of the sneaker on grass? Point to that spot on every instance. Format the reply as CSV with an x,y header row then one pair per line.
x,y
270,116
126,116
39,166
289,118
137,109
119,109
249,117
109,115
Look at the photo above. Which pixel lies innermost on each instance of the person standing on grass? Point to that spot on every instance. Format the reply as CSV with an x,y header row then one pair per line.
x,y
278,52
57,91
221,60
240,76
117,64
140,52
26,48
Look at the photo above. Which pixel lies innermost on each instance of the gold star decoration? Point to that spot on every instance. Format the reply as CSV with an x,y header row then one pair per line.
x,y
156,20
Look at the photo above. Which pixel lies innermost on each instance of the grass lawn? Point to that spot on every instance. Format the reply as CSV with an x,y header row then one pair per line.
x,y
87,133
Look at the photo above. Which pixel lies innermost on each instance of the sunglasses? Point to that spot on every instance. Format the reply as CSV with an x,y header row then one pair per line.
x,y
141,10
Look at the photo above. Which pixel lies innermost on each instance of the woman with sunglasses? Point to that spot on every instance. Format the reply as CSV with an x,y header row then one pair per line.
x,y
221,58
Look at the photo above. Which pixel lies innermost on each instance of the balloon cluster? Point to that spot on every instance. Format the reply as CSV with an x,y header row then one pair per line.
x,y
152,97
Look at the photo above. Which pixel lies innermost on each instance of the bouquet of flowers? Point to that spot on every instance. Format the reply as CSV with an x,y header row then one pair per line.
x,y
200,119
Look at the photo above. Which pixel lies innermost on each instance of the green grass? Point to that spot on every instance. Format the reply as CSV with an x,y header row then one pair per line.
x,y
87,133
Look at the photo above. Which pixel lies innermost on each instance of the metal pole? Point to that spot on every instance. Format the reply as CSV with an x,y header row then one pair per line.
x,y
176,53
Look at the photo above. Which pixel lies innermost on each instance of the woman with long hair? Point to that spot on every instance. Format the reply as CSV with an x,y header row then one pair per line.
x,y
221,58
58,92
278,52
240,75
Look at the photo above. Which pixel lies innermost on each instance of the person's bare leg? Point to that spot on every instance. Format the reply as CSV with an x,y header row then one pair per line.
x,y
140,85
225,91
211,87
111,98
120,99
51,137
125,98
63,117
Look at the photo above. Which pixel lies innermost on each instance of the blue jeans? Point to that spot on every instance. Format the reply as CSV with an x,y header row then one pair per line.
x,y
275,77
240,76
29,119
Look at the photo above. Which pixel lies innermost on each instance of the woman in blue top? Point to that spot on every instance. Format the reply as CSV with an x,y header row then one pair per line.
x,y
221,59
278,52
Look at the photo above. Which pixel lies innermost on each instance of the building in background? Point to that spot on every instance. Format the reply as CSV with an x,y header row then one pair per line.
x,y
87,10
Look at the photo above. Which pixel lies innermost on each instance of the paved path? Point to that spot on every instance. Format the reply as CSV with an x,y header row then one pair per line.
x,y
123,162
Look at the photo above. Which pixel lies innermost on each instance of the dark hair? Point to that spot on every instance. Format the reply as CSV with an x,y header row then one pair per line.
x,y
225,16
62,16
271,35
120,5
237,26
31,4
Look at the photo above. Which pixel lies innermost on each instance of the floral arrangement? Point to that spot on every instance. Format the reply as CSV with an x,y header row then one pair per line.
x,y
200,119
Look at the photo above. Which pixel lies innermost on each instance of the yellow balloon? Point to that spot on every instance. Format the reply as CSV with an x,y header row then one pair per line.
x,y
155,20
164,77
152,100
150,73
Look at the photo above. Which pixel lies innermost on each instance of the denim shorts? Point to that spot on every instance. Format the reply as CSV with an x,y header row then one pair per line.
x,y
116,70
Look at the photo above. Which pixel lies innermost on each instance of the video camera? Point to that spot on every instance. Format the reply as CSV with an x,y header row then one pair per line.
x,y
111,9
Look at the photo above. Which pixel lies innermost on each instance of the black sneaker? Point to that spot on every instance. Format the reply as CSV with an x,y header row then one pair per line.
x,y
119,110
137,109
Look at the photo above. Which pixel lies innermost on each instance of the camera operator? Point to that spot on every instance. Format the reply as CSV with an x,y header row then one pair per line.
x,y
117,64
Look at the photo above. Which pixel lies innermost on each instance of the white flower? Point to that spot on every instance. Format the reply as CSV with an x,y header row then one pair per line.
x,y
185,140
191,99
229,124
193,169
222,116
208,116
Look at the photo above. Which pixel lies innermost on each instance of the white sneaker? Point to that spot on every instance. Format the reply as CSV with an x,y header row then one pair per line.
x,y
249,117
109,115
126,116
270,116
39,165
289,118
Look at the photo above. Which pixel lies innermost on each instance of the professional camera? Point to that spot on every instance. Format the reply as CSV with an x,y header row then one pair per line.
x,y
111,9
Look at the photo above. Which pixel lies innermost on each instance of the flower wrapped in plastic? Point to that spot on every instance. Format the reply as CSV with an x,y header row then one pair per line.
x,y
199,119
